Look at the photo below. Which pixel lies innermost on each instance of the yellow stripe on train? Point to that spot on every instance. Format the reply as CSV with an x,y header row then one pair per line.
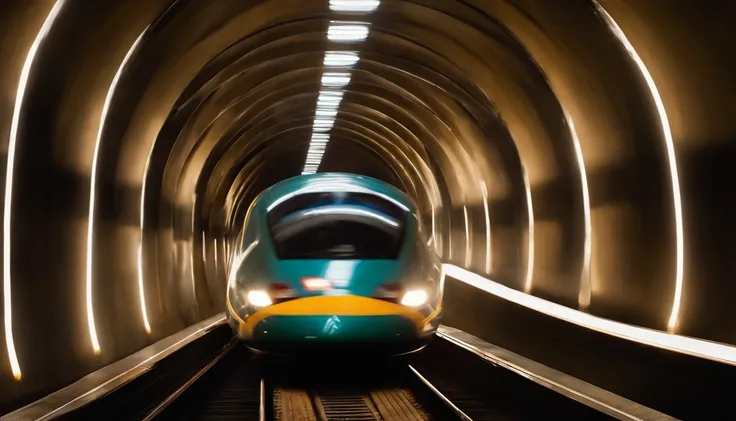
x,y
336,305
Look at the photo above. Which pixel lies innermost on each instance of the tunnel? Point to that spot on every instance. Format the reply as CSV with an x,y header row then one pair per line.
x,y
570,159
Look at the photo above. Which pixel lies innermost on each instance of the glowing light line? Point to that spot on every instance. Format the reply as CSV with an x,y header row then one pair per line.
x,y
686,345
468,257
530,234
670,144
141,238
92,200
584,295
484,191
141,294
7,215
449,237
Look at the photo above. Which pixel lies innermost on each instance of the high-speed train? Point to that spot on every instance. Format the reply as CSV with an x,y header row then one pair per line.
x,y
330,260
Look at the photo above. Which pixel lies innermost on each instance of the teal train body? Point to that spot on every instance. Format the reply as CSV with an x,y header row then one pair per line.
x,y
334,259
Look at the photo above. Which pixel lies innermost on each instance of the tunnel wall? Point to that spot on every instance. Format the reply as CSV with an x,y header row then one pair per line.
x,y
563,125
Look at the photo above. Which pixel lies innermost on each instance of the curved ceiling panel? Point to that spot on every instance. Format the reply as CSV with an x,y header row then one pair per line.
x,y
576,153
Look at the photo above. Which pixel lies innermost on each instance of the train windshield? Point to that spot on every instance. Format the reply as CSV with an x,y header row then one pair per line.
x,y
337,225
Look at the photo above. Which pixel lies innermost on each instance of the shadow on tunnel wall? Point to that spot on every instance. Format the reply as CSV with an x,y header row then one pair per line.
x,y
548,153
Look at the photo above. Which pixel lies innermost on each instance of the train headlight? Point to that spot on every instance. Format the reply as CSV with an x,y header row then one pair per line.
x,y
259,298
414,298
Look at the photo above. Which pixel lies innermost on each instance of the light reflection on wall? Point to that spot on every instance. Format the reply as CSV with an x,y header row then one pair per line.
x,y
484,192
468,245
670,145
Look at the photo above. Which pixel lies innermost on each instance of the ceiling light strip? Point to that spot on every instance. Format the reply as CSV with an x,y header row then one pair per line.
x,y
336,77
354,6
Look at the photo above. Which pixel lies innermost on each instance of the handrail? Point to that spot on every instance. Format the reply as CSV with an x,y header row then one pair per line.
x,y
113,376
593,396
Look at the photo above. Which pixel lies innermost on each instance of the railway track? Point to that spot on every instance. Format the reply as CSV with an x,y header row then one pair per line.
x,y
444,383
242,386
212,377
391,404
378,391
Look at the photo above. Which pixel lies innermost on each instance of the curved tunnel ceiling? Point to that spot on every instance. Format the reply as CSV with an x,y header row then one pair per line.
x,y
577,154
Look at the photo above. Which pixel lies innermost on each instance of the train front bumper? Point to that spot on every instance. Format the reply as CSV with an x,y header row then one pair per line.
x,y
337,320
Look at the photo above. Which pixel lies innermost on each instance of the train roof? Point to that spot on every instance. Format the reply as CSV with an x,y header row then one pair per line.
x,y
332,182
